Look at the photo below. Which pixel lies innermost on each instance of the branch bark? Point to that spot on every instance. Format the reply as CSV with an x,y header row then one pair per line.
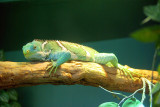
x,y
19,74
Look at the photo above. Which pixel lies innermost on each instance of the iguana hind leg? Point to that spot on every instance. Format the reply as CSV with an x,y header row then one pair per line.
x,y
104,58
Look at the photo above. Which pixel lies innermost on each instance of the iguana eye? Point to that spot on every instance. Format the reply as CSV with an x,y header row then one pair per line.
x,y
34,47
27,51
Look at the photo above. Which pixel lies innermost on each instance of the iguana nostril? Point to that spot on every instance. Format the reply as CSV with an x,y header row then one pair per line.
x,y
25,52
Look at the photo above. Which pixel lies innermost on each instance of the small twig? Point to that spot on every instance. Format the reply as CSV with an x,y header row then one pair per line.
x,y
154,61
144,89
150,91
130,95
113,92
147,19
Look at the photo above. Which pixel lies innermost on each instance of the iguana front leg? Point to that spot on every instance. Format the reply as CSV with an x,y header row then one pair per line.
x,y
61,58
104,58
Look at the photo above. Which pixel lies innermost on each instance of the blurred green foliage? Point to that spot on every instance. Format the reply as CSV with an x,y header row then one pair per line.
x,y
132,102
152,34
147,34
156,93
108,104
152,11
12,94
4,97
8,98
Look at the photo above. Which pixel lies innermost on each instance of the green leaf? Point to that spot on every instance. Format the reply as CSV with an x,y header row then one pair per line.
x,y
156,88
156,99
159,53
158,69
147,34
153,12
132,102
5,105
4,97
108,104
15,104
12,94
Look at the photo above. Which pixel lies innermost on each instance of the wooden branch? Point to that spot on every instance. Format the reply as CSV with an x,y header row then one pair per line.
x,y
19,74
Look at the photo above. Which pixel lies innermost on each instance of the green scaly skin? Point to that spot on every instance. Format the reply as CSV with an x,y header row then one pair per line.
x,y
62,51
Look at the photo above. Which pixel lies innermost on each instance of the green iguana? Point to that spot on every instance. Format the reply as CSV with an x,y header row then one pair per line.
x,y
62,51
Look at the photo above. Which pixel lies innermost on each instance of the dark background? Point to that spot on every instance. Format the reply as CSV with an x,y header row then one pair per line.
x,y
79,21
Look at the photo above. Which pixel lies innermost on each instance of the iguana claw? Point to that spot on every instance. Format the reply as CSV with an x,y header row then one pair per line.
x,y
127,71
51,67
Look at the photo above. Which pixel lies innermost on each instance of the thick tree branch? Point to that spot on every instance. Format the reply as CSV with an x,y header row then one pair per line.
x,y
19,74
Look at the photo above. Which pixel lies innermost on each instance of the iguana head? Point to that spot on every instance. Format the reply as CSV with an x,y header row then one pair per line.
x,y
33,51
